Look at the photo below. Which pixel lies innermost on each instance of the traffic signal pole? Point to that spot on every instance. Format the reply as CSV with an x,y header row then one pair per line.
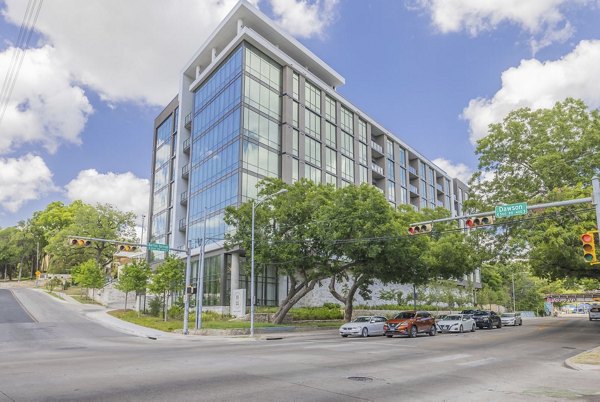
x,y
596,199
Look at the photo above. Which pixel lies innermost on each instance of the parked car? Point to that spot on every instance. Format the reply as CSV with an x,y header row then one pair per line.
x,y
511,319
487,319
595,313
437,322
471,312
364,326
411,323
457,323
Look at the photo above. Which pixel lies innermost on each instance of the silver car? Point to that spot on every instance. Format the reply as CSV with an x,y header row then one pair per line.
x,y
511,319
364,326
595,313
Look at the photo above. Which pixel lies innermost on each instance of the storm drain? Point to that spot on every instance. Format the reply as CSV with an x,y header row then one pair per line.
x,y
361,379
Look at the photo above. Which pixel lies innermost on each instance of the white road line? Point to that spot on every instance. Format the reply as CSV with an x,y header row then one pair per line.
x,y
449,357
476,363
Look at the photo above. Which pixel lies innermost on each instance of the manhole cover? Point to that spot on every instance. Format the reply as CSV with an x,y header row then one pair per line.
x,y
363,379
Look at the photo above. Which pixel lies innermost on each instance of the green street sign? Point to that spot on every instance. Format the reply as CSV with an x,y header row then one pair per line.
x,y
505,211
158,247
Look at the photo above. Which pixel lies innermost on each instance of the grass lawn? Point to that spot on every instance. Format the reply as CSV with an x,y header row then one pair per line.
x,y
84,299
221,323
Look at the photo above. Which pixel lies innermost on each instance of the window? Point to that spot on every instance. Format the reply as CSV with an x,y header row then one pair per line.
x,y
431,176
402,157
363,176
330,160
312,151
330,135
312,96
347,147
423,170
362,153
403,176
346,121
260,160
312,123
295,85
403,195
261,97
362,131
390,169
295,142
330,179
312,173
261,128
330,109
163,132
391,191
263,68
389,149
295,114
295,177
347,169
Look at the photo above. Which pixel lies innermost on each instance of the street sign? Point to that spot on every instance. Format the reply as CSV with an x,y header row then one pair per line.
x,y
158,247
505,211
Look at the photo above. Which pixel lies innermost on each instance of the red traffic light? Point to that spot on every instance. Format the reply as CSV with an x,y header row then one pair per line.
x,y
589,247
479,221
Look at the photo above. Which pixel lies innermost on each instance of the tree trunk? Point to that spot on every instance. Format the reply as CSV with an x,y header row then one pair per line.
x,y
126,293
165,295
296,293
348,300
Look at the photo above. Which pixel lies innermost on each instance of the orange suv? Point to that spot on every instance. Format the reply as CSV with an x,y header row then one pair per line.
x,y
410,323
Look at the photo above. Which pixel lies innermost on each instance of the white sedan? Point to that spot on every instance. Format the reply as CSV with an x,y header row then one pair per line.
x,y
457,323
364,326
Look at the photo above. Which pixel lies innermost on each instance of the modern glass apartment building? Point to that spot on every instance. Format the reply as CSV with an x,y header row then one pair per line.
x,y
256,103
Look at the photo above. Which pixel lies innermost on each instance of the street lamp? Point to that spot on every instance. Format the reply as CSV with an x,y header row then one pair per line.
x,y
252,295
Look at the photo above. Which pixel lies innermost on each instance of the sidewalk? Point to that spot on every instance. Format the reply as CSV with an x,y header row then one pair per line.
x,y
589,360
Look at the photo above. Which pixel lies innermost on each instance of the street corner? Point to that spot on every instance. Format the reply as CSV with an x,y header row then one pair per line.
x,y
586,361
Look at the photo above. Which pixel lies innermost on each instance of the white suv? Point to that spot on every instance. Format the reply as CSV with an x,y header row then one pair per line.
x,y
595,313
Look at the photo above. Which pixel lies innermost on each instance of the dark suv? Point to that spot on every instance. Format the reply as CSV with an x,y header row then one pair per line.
x,y
410,323
487,319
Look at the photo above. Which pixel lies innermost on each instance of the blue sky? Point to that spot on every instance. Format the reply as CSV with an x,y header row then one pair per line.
x,y
79,122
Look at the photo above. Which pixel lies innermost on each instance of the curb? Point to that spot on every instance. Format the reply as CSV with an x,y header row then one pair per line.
x,y
582,366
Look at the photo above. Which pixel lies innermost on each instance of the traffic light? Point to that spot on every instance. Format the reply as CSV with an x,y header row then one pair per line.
x,y
589,247
80,242
418,229
479,221
126,247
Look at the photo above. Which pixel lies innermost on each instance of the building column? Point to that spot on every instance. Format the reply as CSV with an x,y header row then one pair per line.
x,y
235,275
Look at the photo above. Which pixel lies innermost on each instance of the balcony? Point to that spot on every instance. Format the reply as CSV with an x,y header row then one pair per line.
x,y
183,199
377,170
439,204
188,121
185,171
182,225
186,146
377,149
439,187
413,189
412,172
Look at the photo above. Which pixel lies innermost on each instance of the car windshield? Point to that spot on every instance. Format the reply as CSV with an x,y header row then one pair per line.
x,y
481,313
362,319
510,315
404,316
453,318
595,310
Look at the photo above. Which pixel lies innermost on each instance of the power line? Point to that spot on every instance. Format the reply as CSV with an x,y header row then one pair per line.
x,y
25,32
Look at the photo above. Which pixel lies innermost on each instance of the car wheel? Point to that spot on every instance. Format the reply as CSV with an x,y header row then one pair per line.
x,y
412,333
499,324
344,336
520,322
461,329
490,325
473,328
389,336
432,330
365,332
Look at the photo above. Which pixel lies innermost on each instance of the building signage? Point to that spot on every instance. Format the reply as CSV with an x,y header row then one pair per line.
x,y
238,303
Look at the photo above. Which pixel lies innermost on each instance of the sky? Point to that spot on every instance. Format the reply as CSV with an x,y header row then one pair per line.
x,y
435,73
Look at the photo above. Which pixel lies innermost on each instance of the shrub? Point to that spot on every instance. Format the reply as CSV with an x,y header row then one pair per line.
x,y
154,305
52,283
176,312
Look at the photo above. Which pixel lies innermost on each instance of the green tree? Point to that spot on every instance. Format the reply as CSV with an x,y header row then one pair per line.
x,y
89,275
103,222
134,278
168,278
287,234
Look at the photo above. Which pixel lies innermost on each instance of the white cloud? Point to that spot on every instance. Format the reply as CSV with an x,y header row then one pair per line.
x,y
303,18
128,50
125,191
460,171
23,179
541,19
45,106
536,85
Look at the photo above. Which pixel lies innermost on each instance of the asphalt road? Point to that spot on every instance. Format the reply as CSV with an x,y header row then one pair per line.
x,y
66,356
